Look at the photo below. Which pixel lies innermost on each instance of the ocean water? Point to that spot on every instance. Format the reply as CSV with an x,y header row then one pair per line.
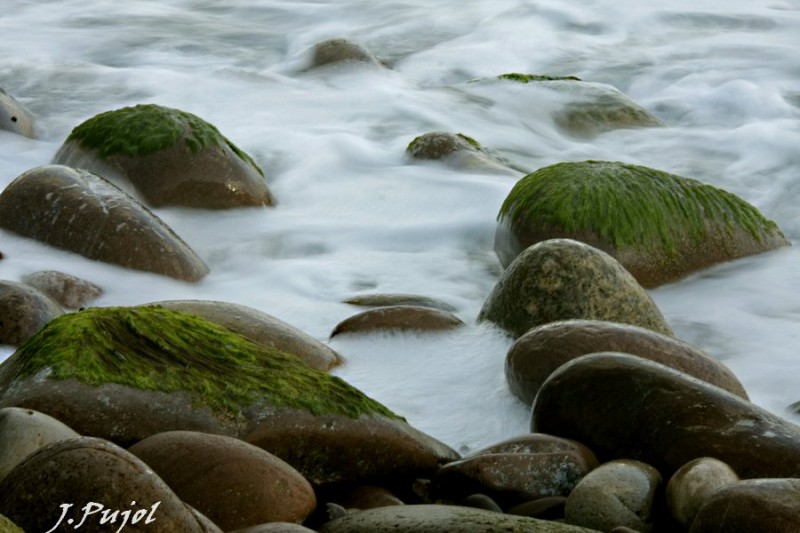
x,y
355,216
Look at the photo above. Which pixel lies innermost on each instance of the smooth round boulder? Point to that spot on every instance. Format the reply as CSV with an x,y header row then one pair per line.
x,y
75,481
403,318
392,299
81,212
69,291
617,493
260,328
334,51
233,483
23,311
659,226
458,151
23,431
620,405
693,484
538,353
15,117
166,157
763,505
561,279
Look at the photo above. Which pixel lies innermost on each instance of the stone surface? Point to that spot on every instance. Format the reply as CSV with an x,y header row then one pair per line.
x,y
561,279
23,311
341,51
260,328
548,508
763,505
392,299
398,318
538,353
625,406
69,291
23,431
84,470
617,493
693,484
659,226
365,497
7,526
459,151
233,483
166,157
83,213
15,117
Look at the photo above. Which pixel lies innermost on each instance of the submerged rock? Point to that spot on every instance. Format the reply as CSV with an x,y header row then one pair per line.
x,y
81,212
398,318
23,311
659,226
69,291
341,51
15,117
168,157
561,279
459,151
390,299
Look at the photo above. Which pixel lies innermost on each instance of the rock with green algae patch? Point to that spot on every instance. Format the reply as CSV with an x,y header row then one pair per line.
x,y
124,374
660,226
459,151
167,157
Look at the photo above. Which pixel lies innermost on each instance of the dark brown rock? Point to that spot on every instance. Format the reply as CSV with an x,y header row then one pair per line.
x,y
561,279
693,484
392,299
625,406
547,508
398,318
481,501
233,483
535,355
69,291
23,311
366,497
83,213
84,470
763,505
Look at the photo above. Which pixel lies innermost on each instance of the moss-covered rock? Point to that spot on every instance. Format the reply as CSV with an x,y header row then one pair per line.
x,y
168,156
7,526
660,226
15,117
458,151
334,51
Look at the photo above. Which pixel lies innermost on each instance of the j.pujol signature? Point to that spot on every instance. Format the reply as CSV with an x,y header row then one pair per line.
x,y
97,512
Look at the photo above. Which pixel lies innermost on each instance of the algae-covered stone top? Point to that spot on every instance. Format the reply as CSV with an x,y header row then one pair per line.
x,y
152,348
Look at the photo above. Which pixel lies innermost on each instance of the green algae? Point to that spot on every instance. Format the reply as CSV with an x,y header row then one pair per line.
x,y
629,205
153,348
144,129
526,78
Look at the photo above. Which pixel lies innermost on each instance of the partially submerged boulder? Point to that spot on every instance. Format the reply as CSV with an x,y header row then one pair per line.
x,y
23,311
398,318
15,117
333,51
81,212
457,150
168,157
660,226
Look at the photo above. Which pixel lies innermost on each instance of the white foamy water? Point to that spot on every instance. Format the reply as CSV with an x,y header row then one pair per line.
x,y
355,217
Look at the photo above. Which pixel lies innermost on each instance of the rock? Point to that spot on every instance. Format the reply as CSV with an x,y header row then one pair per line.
x,y
83,213
92,476
547,508
517,470
15,117
260,328
233,483
441,519
481,501
763,505
659,226
102,370
459,151
69,291
275,527
398,318
23,311
366,497
535,355
561,279
617,493
693,484
23,431
341,51
7,526
168,157
389,299
625,406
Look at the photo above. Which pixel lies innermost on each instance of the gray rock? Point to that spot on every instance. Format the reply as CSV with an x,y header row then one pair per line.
x,y
15,117
23,311
398,318
69,291
693,484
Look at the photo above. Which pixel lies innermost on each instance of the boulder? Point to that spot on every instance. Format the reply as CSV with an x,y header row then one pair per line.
x,y
334,51
69,291
167,157
102,370
693,484
7,526
233,483
391,299
365,497
624,406
561,279
398,318
83,213
23,311
659,226
459,151
538,353
15,117
260,328
82,481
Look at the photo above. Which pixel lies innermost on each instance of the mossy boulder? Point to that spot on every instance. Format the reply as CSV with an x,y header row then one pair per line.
x,y
23,311
458,151
167,157
102,371
660,226
15,117
563,279
81,212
